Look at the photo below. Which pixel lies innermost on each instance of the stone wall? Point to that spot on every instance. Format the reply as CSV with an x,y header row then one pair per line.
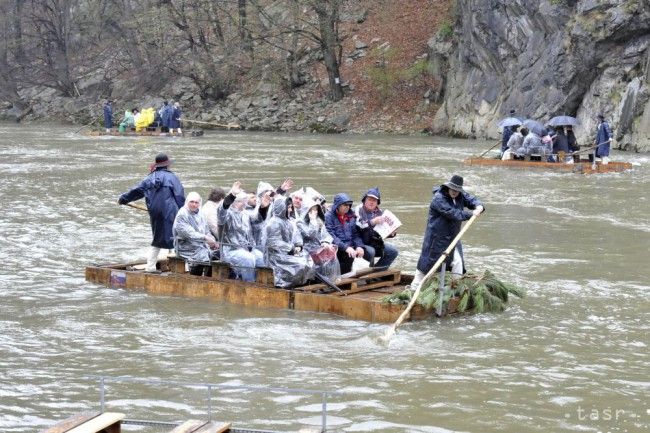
x,y
546,58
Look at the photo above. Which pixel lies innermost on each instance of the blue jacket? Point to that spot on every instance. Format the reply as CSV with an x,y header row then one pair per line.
x,y
164,195
166,115
174,121
444,223
343,235
602,139
108,116
507,132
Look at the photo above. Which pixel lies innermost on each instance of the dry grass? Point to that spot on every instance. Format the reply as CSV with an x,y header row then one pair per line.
x,y
406,25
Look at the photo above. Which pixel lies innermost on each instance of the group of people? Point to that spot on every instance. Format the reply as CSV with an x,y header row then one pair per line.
x,y
555,144
167,117
298,234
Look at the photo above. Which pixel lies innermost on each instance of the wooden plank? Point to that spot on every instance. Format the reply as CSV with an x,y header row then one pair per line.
x,y
72,422
189,426
176,264
264,276
108,422
214,427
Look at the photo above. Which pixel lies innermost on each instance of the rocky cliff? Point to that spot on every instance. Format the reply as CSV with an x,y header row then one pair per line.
x,y
544,58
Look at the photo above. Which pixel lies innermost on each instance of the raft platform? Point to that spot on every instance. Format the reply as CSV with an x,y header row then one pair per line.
x,y
101,420
583,167
360,297
149,132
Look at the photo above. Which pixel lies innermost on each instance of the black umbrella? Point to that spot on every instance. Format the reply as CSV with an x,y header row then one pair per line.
x,y
509,121
563,120
534,126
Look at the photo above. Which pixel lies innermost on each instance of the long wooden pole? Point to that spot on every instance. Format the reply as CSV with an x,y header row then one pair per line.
x,y
222,125
391,331
495,145
137,206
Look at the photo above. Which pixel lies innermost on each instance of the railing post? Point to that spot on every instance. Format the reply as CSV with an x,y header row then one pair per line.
x,y
101,394
209,402
324,421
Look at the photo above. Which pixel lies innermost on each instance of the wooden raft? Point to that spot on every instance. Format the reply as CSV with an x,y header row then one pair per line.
x,y
360,299
584,166
110,422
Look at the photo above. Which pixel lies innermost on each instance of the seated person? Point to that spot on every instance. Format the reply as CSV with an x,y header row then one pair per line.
x,y
317,241
192,239
291,267
128,121
237,242
368,216
341,224
561,144
532,145
514,143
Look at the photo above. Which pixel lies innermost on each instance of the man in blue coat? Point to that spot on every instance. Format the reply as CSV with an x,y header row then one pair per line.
x,y
108,115
341,223
446,215
165,116
164,195
603,139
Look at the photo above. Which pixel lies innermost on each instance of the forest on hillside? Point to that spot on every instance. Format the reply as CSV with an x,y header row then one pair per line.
x,y
80,46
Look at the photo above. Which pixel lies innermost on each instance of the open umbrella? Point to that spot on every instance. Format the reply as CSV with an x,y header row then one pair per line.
x,y
563,120
509,121
534,126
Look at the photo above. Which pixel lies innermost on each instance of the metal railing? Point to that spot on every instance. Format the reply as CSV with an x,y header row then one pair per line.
x,y
209,387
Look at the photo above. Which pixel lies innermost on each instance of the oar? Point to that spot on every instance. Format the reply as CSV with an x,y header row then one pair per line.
x,y
495,145
391,331
137,206
221,125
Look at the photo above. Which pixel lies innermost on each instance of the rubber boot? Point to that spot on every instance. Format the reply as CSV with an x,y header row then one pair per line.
x,y
152,259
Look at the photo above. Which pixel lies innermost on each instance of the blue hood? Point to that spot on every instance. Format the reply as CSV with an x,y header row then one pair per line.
x,y
373,192
341,198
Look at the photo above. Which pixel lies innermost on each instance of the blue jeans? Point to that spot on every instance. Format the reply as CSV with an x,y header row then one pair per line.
x,y
244,262
389,256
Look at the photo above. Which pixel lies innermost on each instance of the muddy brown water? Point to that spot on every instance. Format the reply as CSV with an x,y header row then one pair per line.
x,y
571,356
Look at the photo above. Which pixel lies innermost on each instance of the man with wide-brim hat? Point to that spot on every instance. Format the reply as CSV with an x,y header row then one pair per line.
x,y
603,139
164,195
447,212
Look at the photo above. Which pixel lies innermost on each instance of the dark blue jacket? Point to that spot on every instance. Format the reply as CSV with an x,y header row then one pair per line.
x,y
343,235
602,139
507,132
444,223
175,122
166,115
108,116
164,195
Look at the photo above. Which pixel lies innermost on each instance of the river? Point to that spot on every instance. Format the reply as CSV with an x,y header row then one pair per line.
x,y
571,356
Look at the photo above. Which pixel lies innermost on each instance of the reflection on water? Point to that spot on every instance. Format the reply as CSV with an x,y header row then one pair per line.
x,y
557,360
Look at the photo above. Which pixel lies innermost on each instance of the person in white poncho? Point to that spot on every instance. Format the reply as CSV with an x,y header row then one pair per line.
x,y
192,239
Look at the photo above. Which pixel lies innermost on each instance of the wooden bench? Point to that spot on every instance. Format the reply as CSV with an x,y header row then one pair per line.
x,y
222,270
107,422
197,426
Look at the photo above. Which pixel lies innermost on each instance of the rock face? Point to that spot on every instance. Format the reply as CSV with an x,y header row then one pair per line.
x,y
544,58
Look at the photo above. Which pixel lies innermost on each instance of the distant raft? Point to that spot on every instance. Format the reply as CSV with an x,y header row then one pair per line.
x,y
149,132
583,166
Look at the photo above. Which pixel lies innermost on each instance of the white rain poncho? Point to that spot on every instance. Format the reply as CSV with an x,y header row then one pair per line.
x,y
289,270
314,235
259,218
189,230
235,226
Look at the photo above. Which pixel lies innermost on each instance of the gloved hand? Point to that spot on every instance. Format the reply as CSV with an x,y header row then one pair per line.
x,y
297,250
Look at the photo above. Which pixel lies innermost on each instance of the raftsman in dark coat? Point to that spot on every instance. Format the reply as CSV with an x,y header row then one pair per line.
x,y
164,195
443,224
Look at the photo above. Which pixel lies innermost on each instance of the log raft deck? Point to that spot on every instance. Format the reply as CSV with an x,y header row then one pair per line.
x,y
584,166
146,133
361,298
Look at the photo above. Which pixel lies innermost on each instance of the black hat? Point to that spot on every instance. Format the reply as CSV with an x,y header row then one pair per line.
x,y
455,183
512,112
601,117
162,160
